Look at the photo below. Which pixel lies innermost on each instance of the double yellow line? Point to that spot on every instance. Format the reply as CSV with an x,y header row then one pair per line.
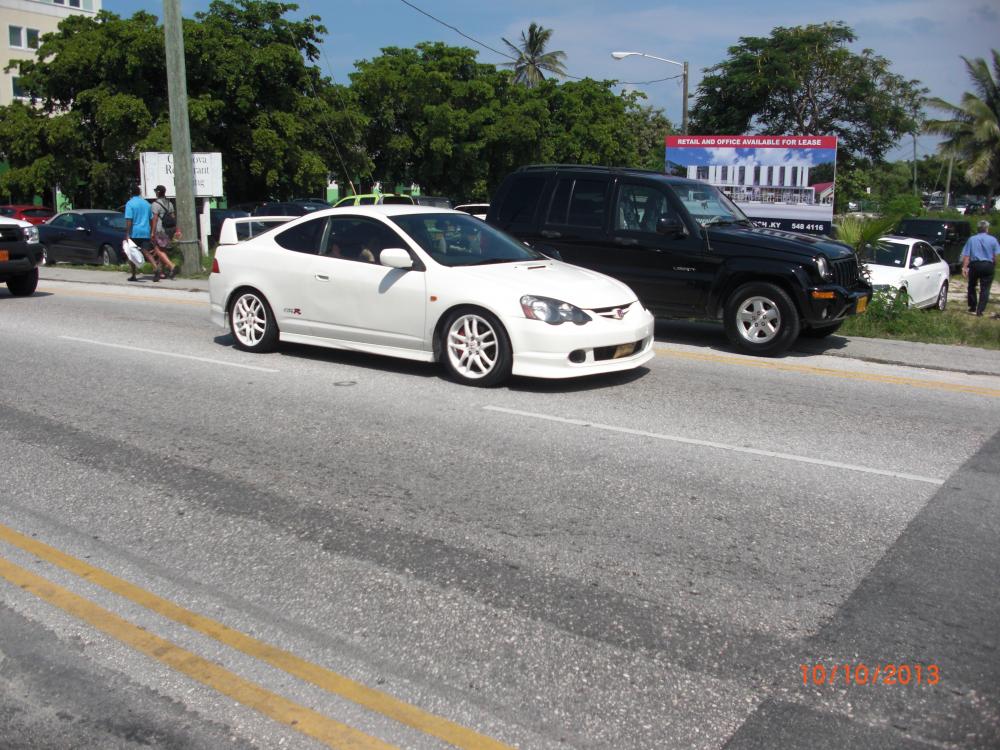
x,y
333,733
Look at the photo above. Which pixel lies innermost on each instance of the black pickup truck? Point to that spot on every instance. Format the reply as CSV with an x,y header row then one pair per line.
x,y
20,255
686,250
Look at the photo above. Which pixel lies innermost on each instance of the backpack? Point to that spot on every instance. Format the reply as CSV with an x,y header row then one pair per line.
x,y
168,220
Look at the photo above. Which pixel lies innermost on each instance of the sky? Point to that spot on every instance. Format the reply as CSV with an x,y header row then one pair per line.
x,y
922,39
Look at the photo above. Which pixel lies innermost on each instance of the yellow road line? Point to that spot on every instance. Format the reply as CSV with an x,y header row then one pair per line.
x,y
130,297
374,700
305,720
832,373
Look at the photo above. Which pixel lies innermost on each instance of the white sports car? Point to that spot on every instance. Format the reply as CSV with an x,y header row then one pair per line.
x,y
426,284
908,265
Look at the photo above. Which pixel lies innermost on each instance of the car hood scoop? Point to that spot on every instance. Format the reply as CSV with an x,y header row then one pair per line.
x,y
552,278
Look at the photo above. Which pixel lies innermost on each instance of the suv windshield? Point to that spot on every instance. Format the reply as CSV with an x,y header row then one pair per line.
x,y
709,205
455,239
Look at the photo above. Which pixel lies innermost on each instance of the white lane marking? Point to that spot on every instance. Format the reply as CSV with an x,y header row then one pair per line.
x,y
168,354
720,446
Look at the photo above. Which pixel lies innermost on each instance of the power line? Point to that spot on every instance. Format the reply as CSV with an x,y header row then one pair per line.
x,y
514,59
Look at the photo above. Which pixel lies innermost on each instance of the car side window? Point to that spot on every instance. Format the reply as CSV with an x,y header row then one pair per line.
x,y
579,203
518,207
640,207
359,239
63,221
306,237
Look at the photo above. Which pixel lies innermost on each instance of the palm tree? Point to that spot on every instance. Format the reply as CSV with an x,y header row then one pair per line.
x,y
532,58
973,132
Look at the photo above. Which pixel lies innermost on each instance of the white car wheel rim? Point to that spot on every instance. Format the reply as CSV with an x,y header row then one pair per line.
x,y
758,320
472,346
249,320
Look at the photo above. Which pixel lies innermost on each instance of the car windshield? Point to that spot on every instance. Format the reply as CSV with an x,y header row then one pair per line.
x,y
455,239
884,254
709,206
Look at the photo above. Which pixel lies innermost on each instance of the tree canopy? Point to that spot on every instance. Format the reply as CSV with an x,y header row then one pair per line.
x,y
431,115
973,132
532,57
804,80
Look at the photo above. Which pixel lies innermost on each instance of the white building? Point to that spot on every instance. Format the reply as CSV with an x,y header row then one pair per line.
x,y
749,182
24,22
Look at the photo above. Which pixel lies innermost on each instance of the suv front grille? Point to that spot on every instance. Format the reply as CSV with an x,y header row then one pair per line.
x,y
845,272
10,234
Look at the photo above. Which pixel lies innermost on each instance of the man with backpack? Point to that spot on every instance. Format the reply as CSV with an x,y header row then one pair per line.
x,y
164,225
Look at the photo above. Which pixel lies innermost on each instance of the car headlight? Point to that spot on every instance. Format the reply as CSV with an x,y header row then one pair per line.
x,y
30,234
822,266
552,311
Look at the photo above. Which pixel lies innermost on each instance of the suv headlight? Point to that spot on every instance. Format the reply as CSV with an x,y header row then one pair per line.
x,y
822,266
30,234
552,311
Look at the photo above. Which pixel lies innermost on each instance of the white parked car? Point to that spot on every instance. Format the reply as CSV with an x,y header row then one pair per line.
x,y
910,265
426,284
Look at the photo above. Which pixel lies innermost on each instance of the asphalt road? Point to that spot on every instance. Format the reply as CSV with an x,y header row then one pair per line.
x,y
201,548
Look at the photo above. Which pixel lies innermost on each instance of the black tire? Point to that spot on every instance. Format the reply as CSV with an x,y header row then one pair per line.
x,y
942,299
47,257
819,332
252,322
475,348
106,256
760,318
23,285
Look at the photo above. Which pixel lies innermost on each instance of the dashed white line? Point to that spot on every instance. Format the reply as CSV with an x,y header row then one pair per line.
x,y
720,446
168,354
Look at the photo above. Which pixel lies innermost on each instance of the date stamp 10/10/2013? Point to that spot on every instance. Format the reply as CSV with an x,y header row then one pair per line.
x,y
876,674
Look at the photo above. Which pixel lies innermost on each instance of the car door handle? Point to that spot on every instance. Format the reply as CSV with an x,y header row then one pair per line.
x,y
550,233
322,277
626,241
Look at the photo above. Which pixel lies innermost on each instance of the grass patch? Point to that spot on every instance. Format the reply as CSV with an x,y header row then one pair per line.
x,y
890,319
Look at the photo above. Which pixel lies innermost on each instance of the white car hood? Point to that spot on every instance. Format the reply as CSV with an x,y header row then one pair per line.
x,y
884,275
549,278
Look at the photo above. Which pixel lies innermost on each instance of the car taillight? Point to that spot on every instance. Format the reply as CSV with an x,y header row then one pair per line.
x,y
215,266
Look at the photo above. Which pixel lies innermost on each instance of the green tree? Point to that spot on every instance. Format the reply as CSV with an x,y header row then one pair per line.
x,y
532,58
973,132
101,94
804,81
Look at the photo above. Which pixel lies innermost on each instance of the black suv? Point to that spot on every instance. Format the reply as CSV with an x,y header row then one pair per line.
x,y
947,236
686,250
20,255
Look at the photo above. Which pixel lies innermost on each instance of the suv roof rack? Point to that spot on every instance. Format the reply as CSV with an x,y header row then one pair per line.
x,y
592,167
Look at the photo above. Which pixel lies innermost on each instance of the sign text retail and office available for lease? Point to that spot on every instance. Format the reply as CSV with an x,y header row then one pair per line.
x,y
158,169
780,181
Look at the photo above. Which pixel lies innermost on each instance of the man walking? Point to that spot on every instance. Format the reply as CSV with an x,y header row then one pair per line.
x,y
137,219
978,266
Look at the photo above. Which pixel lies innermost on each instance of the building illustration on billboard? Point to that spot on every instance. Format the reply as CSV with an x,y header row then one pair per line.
x,y
781,182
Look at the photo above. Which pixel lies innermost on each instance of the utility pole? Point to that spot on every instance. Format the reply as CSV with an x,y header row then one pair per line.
x,y
947,184
916,192
684,111
180,135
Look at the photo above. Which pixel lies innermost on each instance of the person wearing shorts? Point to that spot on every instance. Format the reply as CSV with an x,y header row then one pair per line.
x,y
161,236
138,217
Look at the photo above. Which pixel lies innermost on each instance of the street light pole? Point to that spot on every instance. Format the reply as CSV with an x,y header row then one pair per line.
x,y
684,65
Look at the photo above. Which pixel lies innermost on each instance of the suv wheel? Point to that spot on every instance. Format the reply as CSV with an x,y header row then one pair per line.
x,y
23,285
760,318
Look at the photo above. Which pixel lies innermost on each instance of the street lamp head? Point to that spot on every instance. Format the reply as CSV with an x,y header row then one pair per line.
x,y
622,55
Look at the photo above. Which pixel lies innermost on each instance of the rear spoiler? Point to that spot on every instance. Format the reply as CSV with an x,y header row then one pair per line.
x,y
240,228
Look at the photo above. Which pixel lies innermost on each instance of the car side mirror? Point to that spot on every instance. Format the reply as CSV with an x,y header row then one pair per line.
x,y
671,228
917,262
395,257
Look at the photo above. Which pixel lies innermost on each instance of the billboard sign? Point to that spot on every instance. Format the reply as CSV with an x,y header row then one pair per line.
x,y
780,181
157,168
